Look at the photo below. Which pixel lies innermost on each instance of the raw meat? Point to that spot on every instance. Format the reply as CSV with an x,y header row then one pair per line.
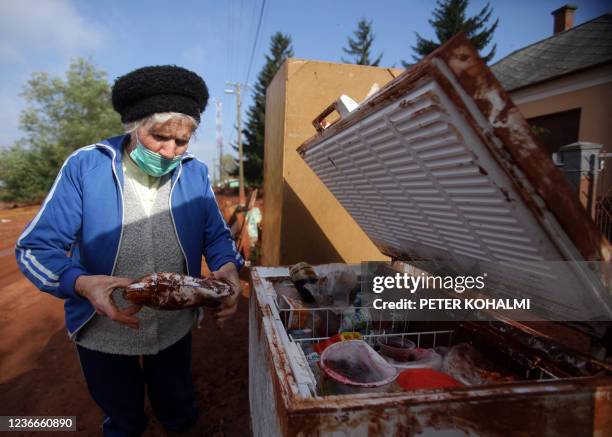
x,y
173,291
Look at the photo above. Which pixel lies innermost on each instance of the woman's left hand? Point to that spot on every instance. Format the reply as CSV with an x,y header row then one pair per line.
x,y
230,304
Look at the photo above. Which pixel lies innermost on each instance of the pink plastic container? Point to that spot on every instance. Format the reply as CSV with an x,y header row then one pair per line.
x,y
354,367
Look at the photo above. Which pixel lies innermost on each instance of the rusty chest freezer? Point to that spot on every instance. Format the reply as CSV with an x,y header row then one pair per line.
x,y
440,165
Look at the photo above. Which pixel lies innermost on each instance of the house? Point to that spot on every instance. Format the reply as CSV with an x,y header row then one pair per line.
x,y
563,87
563,84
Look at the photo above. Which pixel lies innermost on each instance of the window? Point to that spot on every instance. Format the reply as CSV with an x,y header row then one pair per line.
x,y
556,130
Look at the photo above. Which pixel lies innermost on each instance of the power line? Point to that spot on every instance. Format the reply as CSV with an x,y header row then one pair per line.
x,y
239,35
261,12
252,20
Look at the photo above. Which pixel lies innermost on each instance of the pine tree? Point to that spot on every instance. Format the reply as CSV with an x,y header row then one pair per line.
x,y
228,166
360,47
449,18
253,146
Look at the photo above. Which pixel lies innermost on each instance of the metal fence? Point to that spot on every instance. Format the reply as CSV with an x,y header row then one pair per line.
x,y
589,172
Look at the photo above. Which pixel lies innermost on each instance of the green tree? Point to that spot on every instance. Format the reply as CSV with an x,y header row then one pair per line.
x,y
62,115
253,146
360,46
228,166
449,18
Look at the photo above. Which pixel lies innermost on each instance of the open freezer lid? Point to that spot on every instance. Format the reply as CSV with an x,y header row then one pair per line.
x,y
440,165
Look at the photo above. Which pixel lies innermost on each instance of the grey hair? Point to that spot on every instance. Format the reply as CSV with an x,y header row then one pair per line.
x,y
160,117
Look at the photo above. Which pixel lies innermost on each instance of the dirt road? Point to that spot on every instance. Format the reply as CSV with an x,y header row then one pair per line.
x,y
40,373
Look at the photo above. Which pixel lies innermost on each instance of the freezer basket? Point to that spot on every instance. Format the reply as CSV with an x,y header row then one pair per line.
x,y
306,327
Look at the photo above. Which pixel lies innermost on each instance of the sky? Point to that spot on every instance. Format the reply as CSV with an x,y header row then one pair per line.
x,y
216,39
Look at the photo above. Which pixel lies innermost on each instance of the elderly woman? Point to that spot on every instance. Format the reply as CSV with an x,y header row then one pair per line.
x,y
120,209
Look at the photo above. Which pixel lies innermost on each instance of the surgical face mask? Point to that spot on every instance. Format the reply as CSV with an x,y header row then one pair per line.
x,y
152,163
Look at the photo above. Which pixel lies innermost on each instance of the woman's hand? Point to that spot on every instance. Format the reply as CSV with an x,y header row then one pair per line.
x,y
98,290
229,305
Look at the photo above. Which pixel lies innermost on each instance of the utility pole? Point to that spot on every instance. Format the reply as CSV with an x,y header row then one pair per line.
x,y
219,139
214,170
236,90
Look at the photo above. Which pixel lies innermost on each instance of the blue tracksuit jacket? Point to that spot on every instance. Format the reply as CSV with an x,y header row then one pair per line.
x,y
78,228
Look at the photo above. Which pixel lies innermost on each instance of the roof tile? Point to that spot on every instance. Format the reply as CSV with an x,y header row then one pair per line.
x,y
583,46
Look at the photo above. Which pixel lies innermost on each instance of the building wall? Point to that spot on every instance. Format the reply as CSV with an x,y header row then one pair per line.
x,y
303,220
273,167
591,91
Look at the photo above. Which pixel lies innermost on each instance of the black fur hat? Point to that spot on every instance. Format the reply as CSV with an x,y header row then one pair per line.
x,y
161,88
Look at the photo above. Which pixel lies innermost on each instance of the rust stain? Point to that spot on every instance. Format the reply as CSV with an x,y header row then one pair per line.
x,y
495,104
506,194
503,157
518,418
473,415
466,410
430,108
255,284
405,104
460,139
602,421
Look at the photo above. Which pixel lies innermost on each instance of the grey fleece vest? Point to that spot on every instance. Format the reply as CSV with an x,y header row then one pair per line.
x,y
148,244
